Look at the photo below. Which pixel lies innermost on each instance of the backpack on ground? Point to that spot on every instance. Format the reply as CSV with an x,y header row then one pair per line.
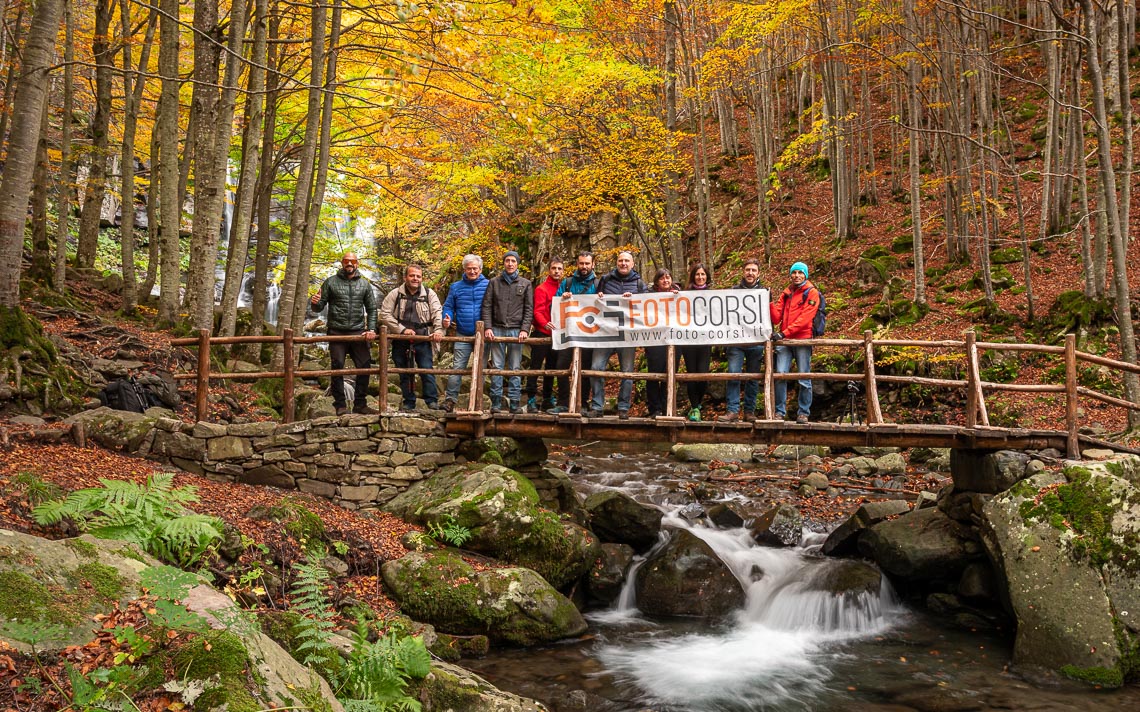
x,y
127,394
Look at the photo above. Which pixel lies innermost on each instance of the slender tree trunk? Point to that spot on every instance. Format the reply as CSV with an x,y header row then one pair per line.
x,y
170,205
16,180
247,189
90,217
133,85
298,214
10,79
65,182
676,245
914,109
1124,86
265,182
40,270
152,233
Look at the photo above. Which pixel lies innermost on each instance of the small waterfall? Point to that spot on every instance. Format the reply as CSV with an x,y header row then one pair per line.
x,y
776,651
271,305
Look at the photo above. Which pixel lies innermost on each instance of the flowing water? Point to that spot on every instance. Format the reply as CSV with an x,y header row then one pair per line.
x,y
792,647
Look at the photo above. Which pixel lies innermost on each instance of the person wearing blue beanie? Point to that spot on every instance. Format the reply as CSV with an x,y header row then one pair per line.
x,y
792,316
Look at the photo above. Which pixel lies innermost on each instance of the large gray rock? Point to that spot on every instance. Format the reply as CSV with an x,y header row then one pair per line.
x,y
1067,555
1124,466
514,606
515,452
844,538
616,517
607,577
686,578
921,547
781,525
706,452
799,452
987,472
115,429
849,579
500,507
450,688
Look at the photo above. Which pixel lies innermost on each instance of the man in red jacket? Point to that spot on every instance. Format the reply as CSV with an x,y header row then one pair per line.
x,y
543,356
792,315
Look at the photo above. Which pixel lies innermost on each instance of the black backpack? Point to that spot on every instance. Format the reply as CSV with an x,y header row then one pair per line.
x,y
819,321
127,394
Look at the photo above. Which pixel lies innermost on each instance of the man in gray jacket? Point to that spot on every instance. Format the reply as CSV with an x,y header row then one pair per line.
x,y
413,309
508,307
352,310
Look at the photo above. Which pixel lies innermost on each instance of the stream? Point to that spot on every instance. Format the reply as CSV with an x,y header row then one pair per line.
x,y
792,647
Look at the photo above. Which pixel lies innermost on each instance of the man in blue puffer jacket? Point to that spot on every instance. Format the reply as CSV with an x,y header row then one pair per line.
x,y
625,281
463,307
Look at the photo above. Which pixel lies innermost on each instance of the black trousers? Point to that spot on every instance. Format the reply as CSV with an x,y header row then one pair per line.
x,y
697,360
543,357
564,358
657,392
361,352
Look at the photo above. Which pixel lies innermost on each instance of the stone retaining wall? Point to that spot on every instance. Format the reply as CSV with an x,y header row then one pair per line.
x,y
357,461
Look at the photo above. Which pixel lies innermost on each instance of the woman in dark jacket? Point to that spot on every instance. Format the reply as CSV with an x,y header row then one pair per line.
x,y
657,357
697,357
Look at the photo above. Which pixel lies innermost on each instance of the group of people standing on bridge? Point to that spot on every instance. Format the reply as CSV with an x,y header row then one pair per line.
x,y
513,309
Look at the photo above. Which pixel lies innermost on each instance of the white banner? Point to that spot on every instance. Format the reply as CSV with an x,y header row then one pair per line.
x,y
715,316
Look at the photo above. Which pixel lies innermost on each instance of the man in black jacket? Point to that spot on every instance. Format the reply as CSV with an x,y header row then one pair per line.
x,y
623,280
508,307
352,311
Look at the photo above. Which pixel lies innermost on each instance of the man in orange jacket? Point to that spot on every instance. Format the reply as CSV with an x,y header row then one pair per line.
x,y
792,316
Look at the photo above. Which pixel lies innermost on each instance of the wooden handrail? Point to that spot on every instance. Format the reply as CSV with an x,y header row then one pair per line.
x,y
975,387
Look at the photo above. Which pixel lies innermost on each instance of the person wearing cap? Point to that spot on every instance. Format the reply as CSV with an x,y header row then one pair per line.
x,y
792,316
508,309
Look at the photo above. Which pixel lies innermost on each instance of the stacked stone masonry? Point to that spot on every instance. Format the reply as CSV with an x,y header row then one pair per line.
x,y
357,461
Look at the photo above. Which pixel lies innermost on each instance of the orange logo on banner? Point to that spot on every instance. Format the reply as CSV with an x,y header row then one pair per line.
x,y
587,314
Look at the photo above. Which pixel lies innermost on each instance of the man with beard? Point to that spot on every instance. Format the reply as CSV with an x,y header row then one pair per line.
x,y
352,310
623,280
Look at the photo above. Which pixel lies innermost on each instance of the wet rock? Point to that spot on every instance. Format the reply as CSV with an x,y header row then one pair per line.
x,y
988,472
863,466
450,687
844,539
608,573
890,464
818,480
798,452
925,499
515,452
779,526
847,578
977,582
618,518
924,546
1072,587
706,452
686,578
514,605
725,516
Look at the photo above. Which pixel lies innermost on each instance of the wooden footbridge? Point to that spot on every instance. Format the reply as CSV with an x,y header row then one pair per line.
x,y
868,428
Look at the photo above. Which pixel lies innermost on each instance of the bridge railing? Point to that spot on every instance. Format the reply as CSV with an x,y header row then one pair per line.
x,y
976,412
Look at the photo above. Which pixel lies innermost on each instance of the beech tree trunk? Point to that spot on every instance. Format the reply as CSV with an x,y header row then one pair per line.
x,y
265,176
65,180
16,180
40,270
89,219
166,124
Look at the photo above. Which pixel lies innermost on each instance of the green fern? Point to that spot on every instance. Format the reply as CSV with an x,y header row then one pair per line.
x,y
314,628
450,531
153,515
377,674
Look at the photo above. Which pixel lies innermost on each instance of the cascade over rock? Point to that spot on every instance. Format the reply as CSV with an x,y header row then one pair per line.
x,y
618,518
687,578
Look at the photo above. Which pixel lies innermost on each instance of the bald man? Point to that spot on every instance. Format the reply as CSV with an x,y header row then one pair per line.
x,y
352,311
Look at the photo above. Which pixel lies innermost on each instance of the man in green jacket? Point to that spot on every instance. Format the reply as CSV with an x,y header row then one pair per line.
x,y
352,311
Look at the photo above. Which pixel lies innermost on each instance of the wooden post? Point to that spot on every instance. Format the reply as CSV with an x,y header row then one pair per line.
x,y
671,382
870,387
475,403
769,396
575,382
287,397
975,398
382,367
1072,444
202,397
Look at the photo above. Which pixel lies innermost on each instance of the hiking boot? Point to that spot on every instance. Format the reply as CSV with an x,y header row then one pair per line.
x,y
449,405
801,419
496,406
532,405
748,416
730,418
623,414
695,415
435,406
516,409
341,410
593,413
556,410
364,410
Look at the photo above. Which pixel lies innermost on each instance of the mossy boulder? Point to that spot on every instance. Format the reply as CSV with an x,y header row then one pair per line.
x,y
1006,255
686,578
501,509
1067,555
514,452
874,267
1000,277
515,606
897,312
450,687
1073,311
706,452
115,429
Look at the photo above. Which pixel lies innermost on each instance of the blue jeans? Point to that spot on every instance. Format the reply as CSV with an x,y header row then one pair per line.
x,y
423,359
784,356
511,354
598,387
744,359
462,354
